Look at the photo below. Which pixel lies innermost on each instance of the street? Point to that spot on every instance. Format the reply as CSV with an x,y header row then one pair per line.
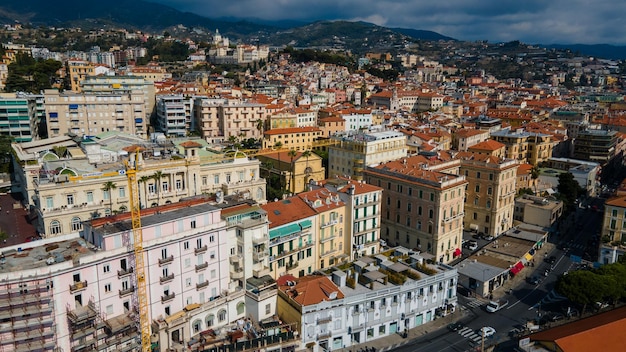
x,y
526,301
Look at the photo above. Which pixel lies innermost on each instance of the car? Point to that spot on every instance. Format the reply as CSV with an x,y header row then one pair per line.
x,y
487,237
472,246
462,291
455,326
551,260
486,331
534,280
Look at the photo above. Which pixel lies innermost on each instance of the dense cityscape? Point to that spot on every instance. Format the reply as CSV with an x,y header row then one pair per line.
x,y
184,191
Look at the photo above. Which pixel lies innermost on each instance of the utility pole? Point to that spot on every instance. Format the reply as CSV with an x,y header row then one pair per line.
x,y
482,340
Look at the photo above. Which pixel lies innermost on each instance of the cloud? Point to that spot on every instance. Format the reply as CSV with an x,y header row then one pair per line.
x,y
531,21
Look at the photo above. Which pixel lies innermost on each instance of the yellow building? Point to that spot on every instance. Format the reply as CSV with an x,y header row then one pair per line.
x,y
331,235
78,70
526,147
293,171
297,138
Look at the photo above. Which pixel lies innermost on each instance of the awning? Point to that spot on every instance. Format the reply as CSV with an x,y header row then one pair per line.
x,y
517,268
473,227
528,257
306,224
457,252
284,231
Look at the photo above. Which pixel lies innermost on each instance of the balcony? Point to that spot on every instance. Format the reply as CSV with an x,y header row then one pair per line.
x,y
202,266
127,291
168,297
260,272
123,273
200,250
324,335
237,274
327,252
259,240
235,259
202,284
292,265
329,223
259,255
78,286
163,261
285,253
164,279
327,238
327,319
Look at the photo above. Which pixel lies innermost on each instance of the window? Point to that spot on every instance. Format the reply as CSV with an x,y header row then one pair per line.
x,y
489,191
186,245
399,204
268,309
477,189
107,287
419,210
106,195
179,185
197,325
55,227
106,268
410,191
164,253
151,188
430,213
477,174
70,199
211,238
204,180
77,225
193,224
432,197
210,320
89,197
198,240
381,330
228,178
221,316
49,202
122,192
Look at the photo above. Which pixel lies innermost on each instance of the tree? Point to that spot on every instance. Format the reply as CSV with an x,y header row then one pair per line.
x,y
259,126
157,176
5,153
108,187
292,154
144,179
534,175
582,287
569,189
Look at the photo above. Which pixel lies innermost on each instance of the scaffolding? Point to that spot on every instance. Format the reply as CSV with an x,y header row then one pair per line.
x,y
27,316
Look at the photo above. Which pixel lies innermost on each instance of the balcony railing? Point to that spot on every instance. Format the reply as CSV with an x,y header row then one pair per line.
x,y
328,252
259,240
167,278
237,274
127,291
329,223
200,250
122,273
328,238
235,259
202,284
202,266
163,261
77,286
285,253
292,265
324,320
168,297
259,255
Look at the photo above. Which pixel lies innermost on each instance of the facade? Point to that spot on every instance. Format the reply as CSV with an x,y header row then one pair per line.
x,y
217,119
537,210
354,151
465,138
363,204
296,138
292,172
19,117
90,182
331,125
585,172
613,233
526,147
174,115
422,209
88,114
374,298
595,145
490,195
78,70
122,84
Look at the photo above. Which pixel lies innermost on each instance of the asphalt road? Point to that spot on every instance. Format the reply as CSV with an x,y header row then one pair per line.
x,y
526,301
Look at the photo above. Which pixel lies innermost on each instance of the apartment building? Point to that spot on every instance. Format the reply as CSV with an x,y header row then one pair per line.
x,y
356,150
526,147
19,117
331,234
331,125
585,172
422,208
376,296
595,145
78,71
88,114
219,118
363,204
104,84
88,180
174,115
356,119
296,117
490,195
413,101
296,138
465,138
292,234
613,233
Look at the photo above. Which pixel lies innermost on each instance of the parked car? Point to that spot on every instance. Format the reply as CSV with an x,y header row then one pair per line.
x,y
488,237
533,280
455,326
551,260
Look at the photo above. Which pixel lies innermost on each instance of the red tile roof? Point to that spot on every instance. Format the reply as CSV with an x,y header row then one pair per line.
x,y
286,211
311,289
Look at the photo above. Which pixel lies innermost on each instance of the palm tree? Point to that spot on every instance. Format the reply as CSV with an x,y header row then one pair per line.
x,y
292,154
108,187
534,175
157,176
144,179
259,126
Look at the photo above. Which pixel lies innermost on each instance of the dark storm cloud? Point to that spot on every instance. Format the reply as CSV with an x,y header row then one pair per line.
x,y
531,21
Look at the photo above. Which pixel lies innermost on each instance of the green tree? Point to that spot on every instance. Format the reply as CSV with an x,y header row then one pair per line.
x,y
292,184
534,175
108,187
582,287
569,189
6,152
144,179
157,176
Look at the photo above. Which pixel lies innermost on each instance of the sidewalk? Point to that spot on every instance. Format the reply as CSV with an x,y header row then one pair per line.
x,y
392,341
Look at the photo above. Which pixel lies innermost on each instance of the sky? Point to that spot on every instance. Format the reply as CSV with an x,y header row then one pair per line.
x,y
530,21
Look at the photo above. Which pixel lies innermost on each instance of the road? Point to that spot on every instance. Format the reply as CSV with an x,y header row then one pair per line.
x,y
526,301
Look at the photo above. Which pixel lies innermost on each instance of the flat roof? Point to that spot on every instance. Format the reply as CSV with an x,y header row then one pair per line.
x,y
37,254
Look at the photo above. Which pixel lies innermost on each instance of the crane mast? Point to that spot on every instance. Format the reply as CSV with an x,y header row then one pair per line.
x,y
135,212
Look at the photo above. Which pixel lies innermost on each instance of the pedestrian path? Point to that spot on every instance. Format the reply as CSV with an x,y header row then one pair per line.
x,y
470,334
475,303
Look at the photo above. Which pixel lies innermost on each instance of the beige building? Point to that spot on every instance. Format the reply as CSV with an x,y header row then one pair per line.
x,y
219,118
532,148
296,138
293,173
465,138
537,210
88,181
89,114
331,235
490,195
121,84
354,151
331,125
150,73
421,208
613,238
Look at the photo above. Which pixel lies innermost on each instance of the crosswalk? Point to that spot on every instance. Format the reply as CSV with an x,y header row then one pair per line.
x,y
575,246
470,334
474,303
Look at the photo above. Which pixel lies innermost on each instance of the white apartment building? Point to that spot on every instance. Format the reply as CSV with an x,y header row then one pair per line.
x,y
219,118
374,298
87,114
103,84
356,150
174,115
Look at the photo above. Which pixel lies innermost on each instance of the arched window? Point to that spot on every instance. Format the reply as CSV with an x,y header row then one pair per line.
x,y
77,225
240,308
197,326
260,194
55,227
210,320
221,315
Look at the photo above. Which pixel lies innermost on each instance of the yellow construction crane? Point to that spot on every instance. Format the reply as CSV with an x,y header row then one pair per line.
x,y
135,212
